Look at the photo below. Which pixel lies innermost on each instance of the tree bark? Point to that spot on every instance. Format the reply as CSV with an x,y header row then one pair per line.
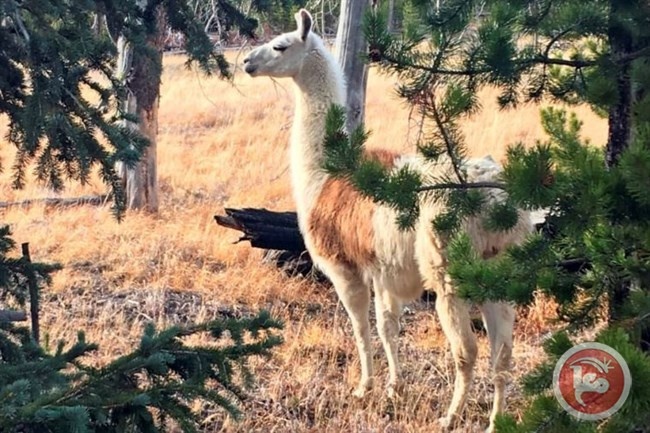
x,y
620,129
12,316
141,71
620,120
278,234
350,44
391,15
34,295
265,229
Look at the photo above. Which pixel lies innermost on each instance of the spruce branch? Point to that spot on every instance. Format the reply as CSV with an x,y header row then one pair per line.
x,y
162,373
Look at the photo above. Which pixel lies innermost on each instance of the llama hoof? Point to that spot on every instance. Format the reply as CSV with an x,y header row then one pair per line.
x,y
445,423
394,390
362,390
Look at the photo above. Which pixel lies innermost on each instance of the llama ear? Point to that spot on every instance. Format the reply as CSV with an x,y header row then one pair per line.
x,y
304,21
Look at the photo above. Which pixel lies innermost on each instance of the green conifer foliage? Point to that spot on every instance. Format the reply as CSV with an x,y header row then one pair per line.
x,y
592,254
58,88
150,389
61,97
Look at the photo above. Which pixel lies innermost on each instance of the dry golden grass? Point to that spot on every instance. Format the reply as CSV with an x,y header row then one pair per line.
x,y
223,145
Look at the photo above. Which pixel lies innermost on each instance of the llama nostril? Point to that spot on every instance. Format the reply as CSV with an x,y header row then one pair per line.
x,y
249,69
246,60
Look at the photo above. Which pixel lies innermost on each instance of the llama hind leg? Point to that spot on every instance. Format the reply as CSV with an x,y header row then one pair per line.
x,y
388,310
455,321
355,297
499,320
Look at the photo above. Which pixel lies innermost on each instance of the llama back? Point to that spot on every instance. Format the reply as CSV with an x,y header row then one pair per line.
x,y
484,169
430,245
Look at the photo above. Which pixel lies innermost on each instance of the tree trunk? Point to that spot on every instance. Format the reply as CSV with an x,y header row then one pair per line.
x,y
620,120
620,129
350,44
141,69
391,15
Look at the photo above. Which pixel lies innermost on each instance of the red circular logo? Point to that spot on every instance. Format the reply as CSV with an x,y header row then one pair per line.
x,y
591,381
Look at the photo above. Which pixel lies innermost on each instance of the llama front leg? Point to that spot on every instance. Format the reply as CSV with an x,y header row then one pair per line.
x,y
499,319
388,310
455,321
355,297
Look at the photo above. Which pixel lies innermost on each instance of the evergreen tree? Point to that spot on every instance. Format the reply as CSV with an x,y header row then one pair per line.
x,y
62,99
58,85
594,247
150,389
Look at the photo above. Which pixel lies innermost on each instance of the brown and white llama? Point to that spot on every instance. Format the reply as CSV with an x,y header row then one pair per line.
x,y
357,243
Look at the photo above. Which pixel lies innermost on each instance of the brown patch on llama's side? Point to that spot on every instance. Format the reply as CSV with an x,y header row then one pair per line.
x,y
384,157
340,223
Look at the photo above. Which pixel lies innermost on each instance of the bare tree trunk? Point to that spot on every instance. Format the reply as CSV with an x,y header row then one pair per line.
x,y
350,44
391,15
620,132
322,19
141,71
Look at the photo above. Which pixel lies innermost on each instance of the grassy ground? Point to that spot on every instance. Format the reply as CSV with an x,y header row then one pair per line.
x,y
225,145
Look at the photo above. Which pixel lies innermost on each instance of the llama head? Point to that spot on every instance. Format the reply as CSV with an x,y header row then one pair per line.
x,y
282,56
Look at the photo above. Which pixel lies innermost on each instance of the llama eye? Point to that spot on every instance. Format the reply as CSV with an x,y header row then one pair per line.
x,y
279,48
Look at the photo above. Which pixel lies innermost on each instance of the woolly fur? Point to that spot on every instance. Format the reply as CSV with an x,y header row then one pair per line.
x,y
357,243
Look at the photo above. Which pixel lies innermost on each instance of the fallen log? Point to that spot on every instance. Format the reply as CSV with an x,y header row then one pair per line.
x,y
12,316
278,234
264,228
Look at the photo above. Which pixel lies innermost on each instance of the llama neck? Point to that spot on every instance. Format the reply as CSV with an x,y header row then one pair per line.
x,y
318,85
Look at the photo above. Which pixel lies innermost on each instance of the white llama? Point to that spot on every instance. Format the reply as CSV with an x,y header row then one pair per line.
x,y
357,243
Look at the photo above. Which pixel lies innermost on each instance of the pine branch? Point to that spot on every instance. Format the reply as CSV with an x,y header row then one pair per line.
x,y
543,60
556,38
541,428
405,64
630,57
592,246
465,185
451,147
18,21
472,72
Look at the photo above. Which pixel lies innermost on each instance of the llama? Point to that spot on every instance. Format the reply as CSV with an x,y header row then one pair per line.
x,y
358,244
